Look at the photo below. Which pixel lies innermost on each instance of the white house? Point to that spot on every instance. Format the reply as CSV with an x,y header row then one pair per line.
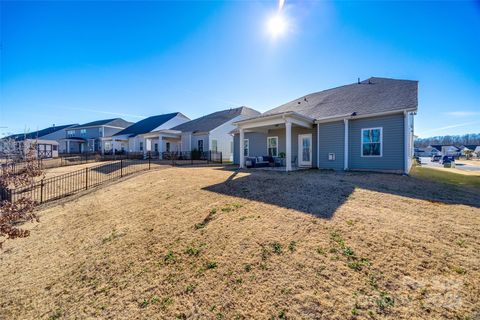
x,y
208,133
132,138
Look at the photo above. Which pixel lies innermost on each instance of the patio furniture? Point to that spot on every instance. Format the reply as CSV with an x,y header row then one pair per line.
x,y
258,162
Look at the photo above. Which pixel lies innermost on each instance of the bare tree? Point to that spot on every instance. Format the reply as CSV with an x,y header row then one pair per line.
x,y
13,214
467,139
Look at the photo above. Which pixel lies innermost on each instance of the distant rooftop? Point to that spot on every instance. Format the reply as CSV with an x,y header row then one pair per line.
x,y
115,122
147,125
214,120
38,134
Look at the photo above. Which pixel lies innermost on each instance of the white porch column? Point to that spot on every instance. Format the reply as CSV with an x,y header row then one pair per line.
x,y
144,147
288,140
68,146
102,146
160,146
242,155
405,143
113,146
345,147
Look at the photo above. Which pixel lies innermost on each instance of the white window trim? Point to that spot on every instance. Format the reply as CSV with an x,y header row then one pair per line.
x,y
248,148
381,142
276,138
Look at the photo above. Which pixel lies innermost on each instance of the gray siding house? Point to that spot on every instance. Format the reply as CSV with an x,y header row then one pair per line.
x,y
367,125
87,137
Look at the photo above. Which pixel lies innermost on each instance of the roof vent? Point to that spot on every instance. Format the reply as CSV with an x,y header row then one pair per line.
x,y
369,82
358,81
353,114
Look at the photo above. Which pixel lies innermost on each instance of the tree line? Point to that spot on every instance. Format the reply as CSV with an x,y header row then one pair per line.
x,y
469,138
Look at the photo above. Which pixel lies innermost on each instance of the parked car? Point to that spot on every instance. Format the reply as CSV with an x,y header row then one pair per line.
x,y
447,159
436,158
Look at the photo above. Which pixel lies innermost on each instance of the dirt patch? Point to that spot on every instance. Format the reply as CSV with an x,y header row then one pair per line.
x,y
195,243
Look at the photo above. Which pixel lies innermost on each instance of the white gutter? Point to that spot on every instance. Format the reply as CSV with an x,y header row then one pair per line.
x,y
370,115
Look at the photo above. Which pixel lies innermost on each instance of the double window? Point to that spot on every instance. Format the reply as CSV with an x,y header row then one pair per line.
x,y
70,132
372,142
246,147
200,145
141,146
272,146
83,131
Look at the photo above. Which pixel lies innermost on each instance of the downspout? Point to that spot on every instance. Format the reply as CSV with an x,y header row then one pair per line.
x,y
405,143
345,147
318,146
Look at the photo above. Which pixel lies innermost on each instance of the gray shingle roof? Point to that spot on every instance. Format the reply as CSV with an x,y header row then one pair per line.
x,y
115,122
374,95
38,134
148,124
211,121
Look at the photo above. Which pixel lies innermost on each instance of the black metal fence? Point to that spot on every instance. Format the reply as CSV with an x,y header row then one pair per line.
x,y
66,184
192,157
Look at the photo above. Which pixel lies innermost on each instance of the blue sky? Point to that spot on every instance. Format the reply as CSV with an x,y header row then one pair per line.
x,y
73,62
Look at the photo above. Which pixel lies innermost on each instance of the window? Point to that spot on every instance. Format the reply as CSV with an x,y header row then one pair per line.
x,y
372,142
83,131
70,132
156,147
141,146
214,145
54,147
246,147
200,145
272,146
168,146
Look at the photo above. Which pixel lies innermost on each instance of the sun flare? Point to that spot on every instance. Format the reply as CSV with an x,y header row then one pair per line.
x,y
277,25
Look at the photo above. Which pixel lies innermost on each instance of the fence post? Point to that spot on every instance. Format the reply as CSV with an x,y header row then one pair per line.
x,y
209,155
221,158
191,157
121,167
149,162
41,191
86,178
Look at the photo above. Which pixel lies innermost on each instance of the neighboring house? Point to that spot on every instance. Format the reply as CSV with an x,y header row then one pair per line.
x,y
362,126
46,141
87,137
477,151
447,150
427,152
132,139
469,147
208,133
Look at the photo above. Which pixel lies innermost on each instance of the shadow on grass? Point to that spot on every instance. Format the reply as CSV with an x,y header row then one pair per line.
x,y
320,193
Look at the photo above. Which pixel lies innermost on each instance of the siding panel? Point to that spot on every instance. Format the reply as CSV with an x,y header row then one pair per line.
x,y
331,140
393,142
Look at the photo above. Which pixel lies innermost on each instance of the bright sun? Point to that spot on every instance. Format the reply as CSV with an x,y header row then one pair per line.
x,y
277,25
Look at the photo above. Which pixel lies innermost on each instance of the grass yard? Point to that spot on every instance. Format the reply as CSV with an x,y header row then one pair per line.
x,y
210,243
450,176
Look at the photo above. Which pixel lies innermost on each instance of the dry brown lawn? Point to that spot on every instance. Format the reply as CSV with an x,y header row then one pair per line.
x,y
206,243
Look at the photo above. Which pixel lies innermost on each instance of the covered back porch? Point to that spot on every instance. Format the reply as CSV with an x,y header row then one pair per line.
x,y
160,142
281,142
